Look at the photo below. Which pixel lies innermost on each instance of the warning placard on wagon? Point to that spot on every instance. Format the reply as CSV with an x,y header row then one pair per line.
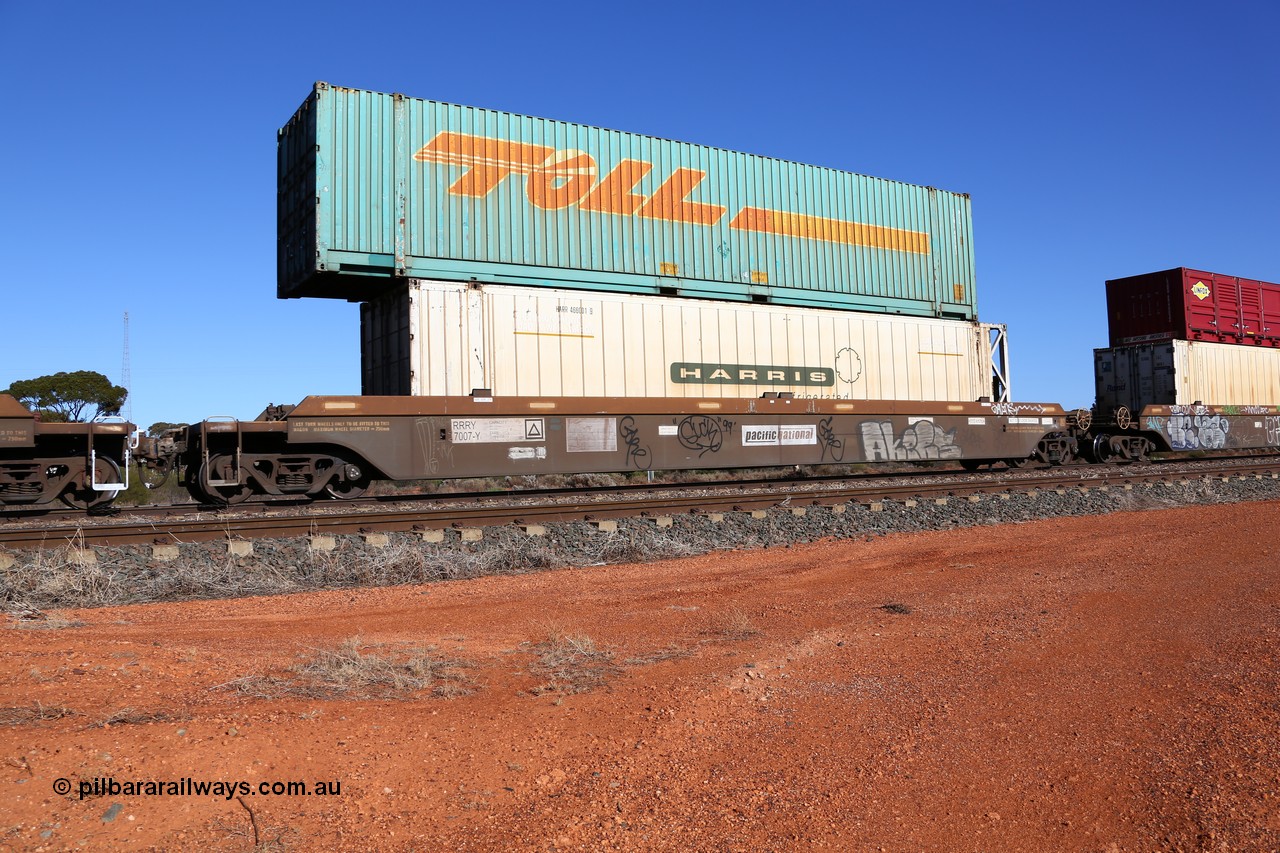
x,y
497,430
779,435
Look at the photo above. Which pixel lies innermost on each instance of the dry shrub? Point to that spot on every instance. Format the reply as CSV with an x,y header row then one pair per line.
x,y
53,576
357,670
571,663
731,624
264,838
36,712
596,481
29,617
130,717
659,655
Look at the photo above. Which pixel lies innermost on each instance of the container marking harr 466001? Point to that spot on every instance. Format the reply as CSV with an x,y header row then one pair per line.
x,y
374,187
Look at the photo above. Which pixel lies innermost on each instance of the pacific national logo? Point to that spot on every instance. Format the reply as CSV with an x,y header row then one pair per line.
x,y
559,179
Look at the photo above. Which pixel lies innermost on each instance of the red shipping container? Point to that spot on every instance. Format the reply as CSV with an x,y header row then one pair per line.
x,y
1192,305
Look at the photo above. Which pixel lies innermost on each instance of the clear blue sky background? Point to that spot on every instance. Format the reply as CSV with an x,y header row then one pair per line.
x,y
138,142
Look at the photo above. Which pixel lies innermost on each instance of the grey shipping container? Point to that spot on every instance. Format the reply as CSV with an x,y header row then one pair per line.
x,y
1175,373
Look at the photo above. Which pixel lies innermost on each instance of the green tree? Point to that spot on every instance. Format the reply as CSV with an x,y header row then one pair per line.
x,y
160,426
82,395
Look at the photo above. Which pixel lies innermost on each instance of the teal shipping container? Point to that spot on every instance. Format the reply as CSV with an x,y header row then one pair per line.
x,y
377,188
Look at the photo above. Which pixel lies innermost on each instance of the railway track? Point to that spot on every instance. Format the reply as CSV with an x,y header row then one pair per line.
x,y
199,524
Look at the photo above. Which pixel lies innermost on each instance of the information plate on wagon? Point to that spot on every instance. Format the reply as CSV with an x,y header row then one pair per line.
x,y
497,430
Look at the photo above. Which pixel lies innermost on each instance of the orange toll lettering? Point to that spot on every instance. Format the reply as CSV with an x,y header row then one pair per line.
x,y
558,179
561,180
614,195
487,161
826,230
669,201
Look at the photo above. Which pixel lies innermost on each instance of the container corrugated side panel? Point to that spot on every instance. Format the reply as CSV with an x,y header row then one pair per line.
x,y
442,191
1193,305
1184,372
385,355
299,245
1225,374
542,342
1228,309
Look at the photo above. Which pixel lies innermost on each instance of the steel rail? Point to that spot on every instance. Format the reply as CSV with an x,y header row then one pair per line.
x,y
231,523
48,512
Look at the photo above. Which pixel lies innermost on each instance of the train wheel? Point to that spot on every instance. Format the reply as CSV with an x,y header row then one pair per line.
x,y
1142,450
155,477
1055,449
87,497
220,467
353,484
1018,463
192,485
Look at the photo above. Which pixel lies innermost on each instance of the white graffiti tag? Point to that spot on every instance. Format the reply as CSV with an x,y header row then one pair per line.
x,y
1272,425
922,440
1192,432
1015,408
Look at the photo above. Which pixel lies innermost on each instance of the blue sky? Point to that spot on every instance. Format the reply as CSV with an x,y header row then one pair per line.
x,y
1096,139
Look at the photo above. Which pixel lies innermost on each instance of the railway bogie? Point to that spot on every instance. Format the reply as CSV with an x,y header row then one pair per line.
x,y
226,461
84,464
1118,435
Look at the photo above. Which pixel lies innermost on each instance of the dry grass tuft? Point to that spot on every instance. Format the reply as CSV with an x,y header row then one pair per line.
x,y
29,617
36,712
571,663
130,717
266,838
357,670
659,655
732,624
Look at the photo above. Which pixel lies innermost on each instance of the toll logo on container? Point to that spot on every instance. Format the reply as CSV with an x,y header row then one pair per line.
x,y
560,179
703,373
1200,290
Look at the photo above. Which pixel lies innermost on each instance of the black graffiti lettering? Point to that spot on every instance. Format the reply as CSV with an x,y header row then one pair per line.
x,y
701,433
830,443
631,436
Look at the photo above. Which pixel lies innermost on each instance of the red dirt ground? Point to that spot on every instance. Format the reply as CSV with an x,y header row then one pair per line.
x,y
1103,683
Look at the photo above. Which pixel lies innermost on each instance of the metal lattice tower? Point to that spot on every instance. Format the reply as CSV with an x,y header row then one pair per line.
x,y
125,379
